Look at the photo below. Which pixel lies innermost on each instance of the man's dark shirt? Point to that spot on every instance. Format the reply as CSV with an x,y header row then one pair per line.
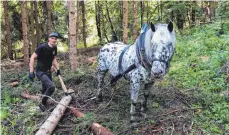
x,y
45,57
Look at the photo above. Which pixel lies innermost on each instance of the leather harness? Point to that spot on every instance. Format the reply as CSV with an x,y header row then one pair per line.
x,y
141,55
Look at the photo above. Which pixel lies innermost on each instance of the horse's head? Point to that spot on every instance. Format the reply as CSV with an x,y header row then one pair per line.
x,y
162,47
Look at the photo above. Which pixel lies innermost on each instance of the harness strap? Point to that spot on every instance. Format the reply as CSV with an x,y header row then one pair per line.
x,y
120,59
130,68
122,73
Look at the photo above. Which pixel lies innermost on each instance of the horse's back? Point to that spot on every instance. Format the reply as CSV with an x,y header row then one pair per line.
x,y
109,56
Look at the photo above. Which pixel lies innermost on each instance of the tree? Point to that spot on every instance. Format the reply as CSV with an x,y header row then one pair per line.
x,y
7,25
142,12
84,23
72,35
32,34
135,31
125,21
113,33
49,17
36,22
97,18
25,32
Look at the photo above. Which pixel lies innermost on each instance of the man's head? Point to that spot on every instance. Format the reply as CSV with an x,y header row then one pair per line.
x,y
53,38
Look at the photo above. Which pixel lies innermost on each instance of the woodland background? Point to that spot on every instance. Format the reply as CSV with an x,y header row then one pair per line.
x,y
192,99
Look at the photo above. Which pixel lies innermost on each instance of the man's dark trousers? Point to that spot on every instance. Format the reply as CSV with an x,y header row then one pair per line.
x,y
48,86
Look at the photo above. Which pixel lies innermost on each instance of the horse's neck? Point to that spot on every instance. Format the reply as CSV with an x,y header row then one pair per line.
x,y
147,44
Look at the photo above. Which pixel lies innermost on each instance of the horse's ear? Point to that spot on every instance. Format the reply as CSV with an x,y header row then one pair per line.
x,y
152,27
170,26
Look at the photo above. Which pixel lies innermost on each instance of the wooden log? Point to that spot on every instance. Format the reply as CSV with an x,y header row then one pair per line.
x,y
50,124
96,128
28,96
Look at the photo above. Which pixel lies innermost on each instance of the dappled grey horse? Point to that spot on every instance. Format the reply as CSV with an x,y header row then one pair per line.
x,y
144,61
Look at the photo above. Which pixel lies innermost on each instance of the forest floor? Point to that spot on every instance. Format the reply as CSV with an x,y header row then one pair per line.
x,y
169,110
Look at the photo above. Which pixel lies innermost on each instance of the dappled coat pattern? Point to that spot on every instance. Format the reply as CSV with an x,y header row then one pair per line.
x,y
150,54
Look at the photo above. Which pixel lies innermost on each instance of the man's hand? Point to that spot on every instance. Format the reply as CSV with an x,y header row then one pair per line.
x,y
31,76
58,72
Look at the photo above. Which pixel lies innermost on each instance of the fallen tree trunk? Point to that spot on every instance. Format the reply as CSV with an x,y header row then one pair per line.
x,y
50,124
96,128
26,95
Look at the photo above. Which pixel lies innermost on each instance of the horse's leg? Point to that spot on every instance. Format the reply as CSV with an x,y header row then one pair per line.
x,y
146,91
101,75
134,90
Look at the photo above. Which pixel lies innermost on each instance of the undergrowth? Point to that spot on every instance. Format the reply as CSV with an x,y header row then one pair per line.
x,y
197,70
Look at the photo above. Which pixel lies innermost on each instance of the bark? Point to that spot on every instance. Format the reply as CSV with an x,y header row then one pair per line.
x,y
193,14
25,33
114,36
72,36
7,25
49,17
32,97
125,21
77,21
97,18
135,20
36,23
103,27
50,124
147,12
33,40
180,21
96,128
142,12
45,18
84,23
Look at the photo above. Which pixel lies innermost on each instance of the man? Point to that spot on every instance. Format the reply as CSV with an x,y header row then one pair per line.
x,y
46,58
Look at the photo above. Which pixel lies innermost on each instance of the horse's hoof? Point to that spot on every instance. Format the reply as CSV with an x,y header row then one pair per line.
x,y
99,98
137,117
144,109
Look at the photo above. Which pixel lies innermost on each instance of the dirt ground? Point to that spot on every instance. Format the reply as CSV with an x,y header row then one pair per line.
x,y
169,109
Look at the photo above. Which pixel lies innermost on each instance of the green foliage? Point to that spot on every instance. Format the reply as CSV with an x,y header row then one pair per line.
x,y
197,65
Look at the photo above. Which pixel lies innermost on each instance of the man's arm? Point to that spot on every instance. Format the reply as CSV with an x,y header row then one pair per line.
x,y
32,60
55,63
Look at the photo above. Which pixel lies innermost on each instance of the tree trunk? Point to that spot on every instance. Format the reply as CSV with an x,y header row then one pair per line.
x,y
193,14
84,23
49,17
103,26
7,25
33,40
36,23
72,36
114,36
45,19
142,12
125,21
135,20
25,33
97,18
77,21
50,124
147,12
180,21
